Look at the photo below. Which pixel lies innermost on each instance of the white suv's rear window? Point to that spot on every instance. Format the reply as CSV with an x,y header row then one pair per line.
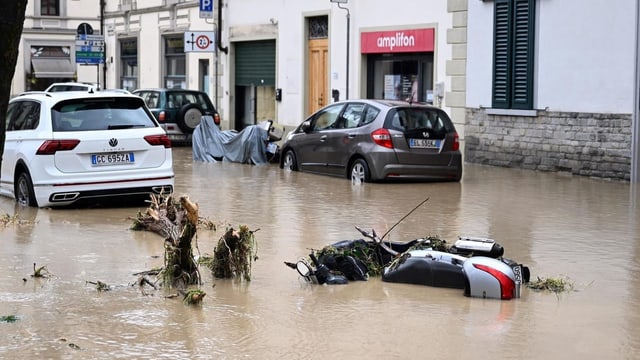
x,y
91,114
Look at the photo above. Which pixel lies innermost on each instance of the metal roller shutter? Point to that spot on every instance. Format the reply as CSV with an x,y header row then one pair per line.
x,y
256,63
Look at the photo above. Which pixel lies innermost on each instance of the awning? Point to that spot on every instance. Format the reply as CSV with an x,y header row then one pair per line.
x,y
53,68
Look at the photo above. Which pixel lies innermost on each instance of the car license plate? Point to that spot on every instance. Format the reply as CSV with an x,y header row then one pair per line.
x,y
112,159
272,148
425,143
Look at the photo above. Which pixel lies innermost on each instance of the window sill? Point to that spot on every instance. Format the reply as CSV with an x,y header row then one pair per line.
x,y
511,112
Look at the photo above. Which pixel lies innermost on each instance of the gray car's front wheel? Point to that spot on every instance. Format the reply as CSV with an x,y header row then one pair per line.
x,y
360,172
289,161
24,190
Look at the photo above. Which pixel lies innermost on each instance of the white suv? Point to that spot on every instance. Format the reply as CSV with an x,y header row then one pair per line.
x,y
77,148
72,86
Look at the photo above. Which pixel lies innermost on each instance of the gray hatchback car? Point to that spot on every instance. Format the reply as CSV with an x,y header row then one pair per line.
x,y
376,140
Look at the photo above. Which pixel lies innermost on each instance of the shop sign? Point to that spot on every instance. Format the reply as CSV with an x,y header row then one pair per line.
x,y
397,41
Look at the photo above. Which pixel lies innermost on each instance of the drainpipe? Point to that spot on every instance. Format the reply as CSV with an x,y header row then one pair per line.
x,y
219,32
104,56
635,131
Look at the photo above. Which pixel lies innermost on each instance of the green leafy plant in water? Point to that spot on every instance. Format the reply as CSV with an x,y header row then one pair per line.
x,y
194,297
8,318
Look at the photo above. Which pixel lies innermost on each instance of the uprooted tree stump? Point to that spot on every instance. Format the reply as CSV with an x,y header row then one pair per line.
x,y
176,222
233,255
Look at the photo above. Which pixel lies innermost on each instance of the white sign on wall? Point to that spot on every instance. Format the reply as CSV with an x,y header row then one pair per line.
x,y
199,41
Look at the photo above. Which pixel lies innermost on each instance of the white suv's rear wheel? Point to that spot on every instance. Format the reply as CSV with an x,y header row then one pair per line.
x,y
24,190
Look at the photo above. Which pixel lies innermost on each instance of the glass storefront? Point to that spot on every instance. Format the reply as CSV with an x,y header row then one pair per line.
x,y
400,77
399,64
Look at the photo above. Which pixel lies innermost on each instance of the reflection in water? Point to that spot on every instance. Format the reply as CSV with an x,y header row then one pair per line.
x,y
558,225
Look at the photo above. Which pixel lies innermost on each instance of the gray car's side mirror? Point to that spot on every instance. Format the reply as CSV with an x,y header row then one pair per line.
x,y
306,126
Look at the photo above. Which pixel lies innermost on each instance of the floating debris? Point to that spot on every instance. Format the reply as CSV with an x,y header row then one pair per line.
x,y
550,284
40,272
6,220
194,297
234,254
100,286
8,318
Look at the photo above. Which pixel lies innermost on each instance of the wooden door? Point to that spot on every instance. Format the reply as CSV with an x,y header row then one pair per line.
x,y
318,58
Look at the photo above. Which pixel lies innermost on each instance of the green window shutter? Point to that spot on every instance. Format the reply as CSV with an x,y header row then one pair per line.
x,y
513,42
522,78
255,63
502,54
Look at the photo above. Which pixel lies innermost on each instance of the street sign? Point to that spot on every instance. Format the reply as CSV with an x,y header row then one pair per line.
x,y
89,49
199,41
206,9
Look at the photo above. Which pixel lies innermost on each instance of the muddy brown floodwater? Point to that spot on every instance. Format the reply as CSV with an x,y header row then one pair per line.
x,y
581,229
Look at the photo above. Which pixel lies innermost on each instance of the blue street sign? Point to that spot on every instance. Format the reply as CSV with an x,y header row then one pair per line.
x,y
89,49
206,9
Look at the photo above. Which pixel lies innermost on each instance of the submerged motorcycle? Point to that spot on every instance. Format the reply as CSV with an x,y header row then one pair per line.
x,y
473,264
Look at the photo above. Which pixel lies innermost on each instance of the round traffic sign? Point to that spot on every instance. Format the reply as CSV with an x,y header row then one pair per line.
x,y
203,42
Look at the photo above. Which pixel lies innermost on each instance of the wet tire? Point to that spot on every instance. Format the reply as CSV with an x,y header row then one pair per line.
x,y
289,161
23,191
189,118
359,172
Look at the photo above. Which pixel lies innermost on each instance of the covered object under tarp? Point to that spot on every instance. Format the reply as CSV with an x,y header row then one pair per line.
x,y
211,144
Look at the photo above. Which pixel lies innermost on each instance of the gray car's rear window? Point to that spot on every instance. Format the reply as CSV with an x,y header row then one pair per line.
x,y
412,118
100,114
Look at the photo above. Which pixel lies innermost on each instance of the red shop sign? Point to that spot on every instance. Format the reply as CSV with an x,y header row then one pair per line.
x,y
397,41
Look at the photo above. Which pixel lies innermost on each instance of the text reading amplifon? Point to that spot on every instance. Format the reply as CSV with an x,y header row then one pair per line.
x,y
399,40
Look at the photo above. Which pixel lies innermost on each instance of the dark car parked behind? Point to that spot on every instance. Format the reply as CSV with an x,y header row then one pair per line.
x,y
178,110
374,140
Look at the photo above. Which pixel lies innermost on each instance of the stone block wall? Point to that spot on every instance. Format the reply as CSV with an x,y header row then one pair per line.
x,y
586,144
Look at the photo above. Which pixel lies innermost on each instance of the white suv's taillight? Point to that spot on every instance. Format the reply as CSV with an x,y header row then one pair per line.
x,y
158,140
50,147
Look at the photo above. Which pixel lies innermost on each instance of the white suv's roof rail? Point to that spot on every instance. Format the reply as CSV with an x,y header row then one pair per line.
x,y
34,93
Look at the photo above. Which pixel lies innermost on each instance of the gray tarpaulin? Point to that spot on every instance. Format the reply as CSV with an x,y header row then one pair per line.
x,y
211,144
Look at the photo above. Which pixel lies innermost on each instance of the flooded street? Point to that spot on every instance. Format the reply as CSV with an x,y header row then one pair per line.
x,y
585,230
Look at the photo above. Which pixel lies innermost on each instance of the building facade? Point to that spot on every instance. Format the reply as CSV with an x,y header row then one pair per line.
x,y
549,90
523,80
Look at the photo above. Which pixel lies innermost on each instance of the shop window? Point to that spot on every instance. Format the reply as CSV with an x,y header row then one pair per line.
x,y
513,54
175,63
401,77
50,7
129,64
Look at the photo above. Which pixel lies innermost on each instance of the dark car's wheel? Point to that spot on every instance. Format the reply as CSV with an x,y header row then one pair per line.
x,y
24,190
189,118
359,172
289,161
